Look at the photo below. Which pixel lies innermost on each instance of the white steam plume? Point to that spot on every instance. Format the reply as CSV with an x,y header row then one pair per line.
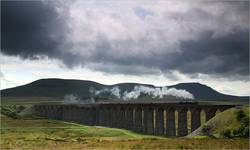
x,y
153,92
71,99
156,93
114,91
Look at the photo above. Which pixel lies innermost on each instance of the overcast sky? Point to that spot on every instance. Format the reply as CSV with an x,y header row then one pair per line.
x,y
160,42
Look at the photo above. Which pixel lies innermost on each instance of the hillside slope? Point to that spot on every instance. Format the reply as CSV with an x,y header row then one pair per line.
x,y
201,91
52,88
230,123
61,87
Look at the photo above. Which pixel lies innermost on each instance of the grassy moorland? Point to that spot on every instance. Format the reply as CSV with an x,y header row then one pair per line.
x,y
32,132
30,100
231,123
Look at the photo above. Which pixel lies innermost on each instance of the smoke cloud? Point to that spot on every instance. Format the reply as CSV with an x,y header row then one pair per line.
x,y
155,93
73,99
115,91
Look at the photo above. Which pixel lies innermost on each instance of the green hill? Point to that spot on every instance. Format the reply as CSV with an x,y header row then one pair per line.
x,y
58,88
233,122
52,88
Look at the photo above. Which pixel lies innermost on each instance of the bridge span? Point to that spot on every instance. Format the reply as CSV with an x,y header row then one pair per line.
x,y
145,118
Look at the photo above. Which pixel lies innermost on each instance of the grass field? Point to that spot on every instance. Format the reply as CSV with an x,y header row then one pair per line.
x,y
40,133
30,100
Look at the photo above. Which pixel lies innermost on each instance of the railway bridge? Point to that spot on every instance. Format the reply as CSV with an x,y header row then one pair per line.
x,y
146,118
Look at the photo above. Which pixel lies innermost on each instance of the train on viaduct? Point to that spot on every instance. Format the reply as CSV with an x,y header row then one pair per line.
x,y
146,118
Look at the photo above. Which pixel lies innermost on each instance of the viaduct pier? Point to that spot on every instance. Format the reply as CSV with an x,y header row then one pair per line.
x,y
146,118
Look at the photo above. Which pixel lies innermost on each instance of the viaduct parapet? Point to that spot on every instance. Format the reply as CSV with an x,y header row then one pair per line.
x,y
146,118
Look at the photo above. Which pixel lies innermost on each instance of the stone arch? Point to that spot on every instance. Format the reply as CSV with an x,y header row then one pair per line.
x,y
101,116
182,121
217,111
149,120
159,121
221,109
138,119
210,113
113,117
195,118
123,117
129,118
170,122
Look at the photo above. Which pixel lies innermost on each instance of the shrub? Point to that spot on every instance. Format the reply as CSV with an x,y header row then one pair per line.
x,y
240,115
205,129
241,131
246,132
5,111
13,115
227,133
245,120
8,112
20,108
236,132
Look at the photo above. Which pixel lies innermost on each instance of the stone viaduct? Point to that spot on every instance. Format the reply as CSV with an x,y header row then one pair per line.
x,y
145,118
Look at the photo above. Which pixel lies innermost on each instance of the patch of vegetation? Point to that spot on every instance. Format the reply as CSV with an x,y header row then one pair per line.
x,y
240,115
56,139
206,129
243,129
240,130
11,111
227,133
232,123
30,100
179,146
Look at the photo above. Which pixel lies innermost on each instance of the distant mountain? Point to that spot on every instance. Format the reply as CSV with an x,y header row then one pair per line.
x,y
52,88
82,88
204,92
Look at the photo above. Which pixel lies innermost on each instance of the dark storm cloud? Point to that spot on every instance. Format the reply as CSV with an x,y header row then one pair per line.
x,y
227,55
29,28
209,55
210,38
